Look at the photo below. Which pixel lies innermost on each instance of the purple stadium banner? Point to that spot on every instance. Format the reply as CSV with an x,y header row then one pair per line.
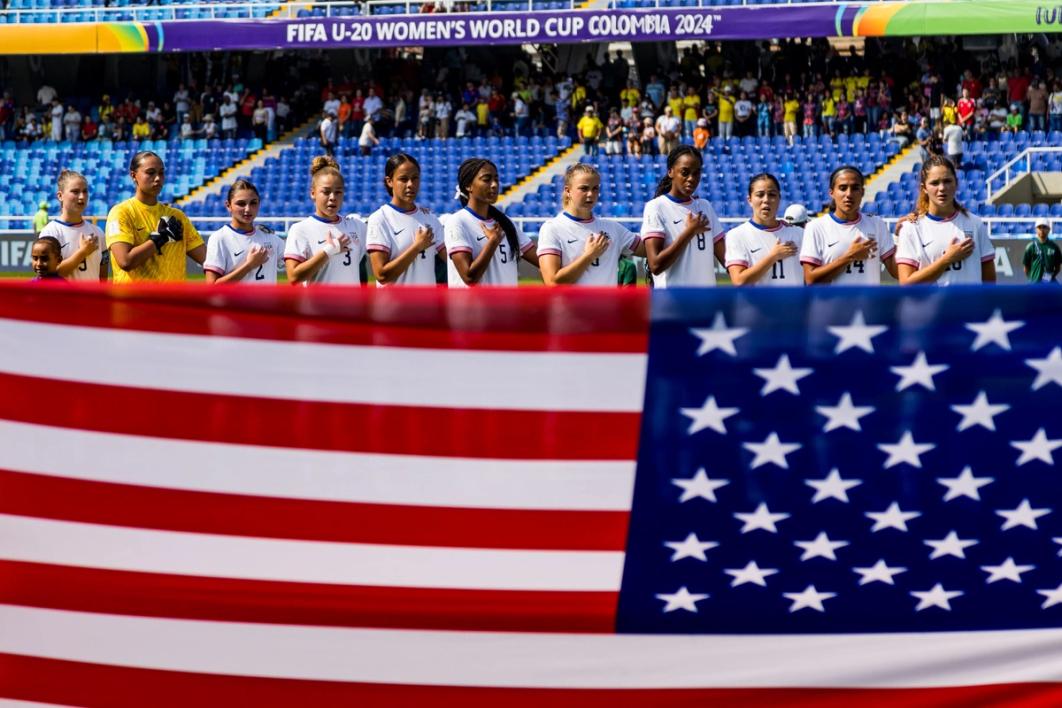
x,y
504,28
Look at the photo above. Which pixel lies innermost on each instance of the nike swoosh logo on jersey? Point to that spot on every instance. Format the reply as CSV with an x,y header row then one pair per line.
x,y
677,222
753,250
399,231
572,240
238,253
924,245
480,238
321,241
831,245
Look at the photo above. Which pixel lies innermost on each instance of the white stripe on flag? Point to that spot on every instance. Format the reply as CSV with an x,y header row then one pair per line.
x,y
449,378
119,548
312,474
515,659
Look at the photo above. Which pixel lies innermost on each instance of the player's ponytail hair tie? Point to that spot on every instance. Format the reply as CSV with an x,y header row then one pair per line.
x,y
459,195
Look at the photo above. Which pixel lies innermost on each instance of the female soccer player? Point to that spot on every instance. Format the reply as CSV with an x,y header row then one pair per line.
x,y
81,243
763,250
240,252
940,242
484,245
847,247
402,236
148,240
682,234
577,248
325,248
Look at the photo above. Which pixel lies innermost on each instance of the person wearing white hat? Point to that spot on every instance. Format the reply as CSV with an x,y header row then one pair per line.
x,y
795,215
1043,258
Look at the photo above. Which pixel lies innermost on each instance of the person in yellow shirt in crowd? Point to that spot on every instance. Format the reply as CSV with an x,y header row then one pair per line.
x,y
674,101
150,242
726,114
630,96
851,85
589,129
691,108
829,113
141,129
948,113
578,94
791,109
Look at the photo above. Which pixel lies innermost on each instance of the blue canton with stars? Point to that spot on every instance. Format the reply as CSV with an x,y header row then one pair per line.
x,y
849,460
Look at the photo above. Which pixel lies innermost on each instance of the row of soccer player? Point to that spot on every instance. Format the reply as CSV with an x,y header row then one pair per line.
x,y
681,236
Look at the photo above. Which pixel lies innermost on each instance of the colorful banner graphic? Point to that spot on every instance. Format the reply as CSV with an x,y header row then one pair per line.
x,y
941,17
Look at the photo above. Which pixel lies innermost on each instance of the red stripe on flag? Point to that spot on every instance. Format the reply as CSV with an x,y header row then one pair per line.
x,y
31,678
506,319
113,504
192,597
449,432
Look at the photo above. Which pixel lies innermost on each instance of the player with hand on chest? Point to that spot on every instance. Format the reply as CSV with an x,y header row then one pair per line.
x,y
578,248
404,239
325,248
763,251
240,251
847,247
81,244
682,234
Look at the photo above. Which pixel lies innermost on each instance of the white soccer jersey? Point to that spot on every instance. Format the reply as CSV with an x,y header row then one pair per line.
x,y
924,241
69,237
227,249
391,231
566,236
827,238
308,237
748,243
464,234
665,218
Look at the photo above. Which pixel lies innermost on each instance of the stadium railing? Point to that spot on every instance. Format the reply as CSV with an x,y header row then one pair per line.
x,y
998,226
30,11
1009,171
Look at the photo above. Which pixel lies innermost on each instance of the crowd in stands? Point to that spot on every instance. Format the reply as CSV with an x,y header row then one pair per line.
x,y
901,90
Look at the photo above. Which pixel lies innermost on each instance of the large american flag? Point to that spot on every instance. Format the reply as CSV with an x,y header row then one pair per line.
x,y
529,497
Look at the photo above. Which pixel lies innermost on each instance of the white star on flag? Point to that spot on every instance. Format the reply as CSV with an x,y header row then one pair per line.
x,y
821,547
699,485
832,487
994,330
858,334
681,600
980,412
844,414
892,518
1007,570
1039,447
1048,369
937,597
810,598
761,519
1058,540
920,372
783,377
879,572
751,573
1054,597
709,415
692,547
718,336
906,450
1023,515
950,545
965,485
771,450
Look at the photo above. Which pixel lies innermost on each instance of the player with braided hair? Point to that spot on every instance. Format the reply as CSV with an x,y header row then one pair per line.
x,y
484,245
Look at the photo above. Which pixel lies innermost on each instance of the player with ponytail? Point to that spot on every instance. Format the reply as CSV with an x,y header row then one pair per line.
x,y
682,234
941,242
325,247
81,243
403,239
241,251
484,245
763,251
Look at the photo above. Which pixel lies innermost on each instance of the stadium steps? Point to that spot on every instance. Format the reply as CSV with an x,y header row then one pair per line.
x,y
288,10
544,174
243,168
900,164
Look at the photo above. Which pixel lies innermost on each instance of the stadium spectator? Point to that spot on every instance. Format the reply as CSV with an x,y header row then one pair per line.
x,y
56,113
743,113
764,114
668,131
260,121
1036,96
648,137
368,139
89,129
328,133
726,113
701,135
72,124
953,144
1054,106
46,95
614,131
1042,258
40,219
1014,118
691,110
589,130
